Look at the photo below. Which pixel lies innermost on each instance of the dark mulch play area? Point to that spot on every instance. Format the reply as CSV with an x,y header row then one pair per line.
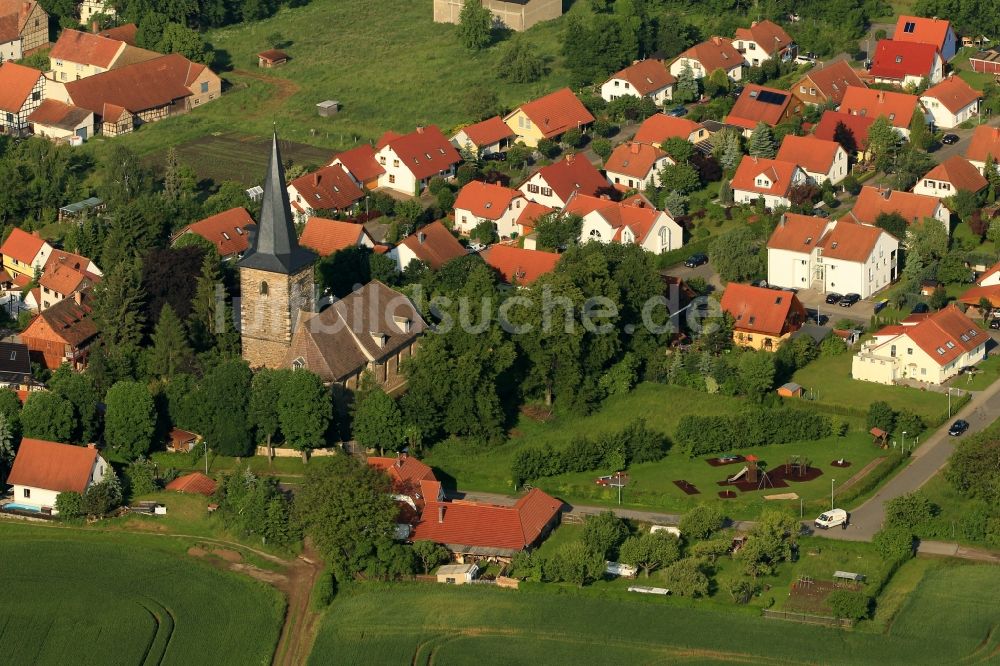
x,y
715,462
686,487
838,463
811,474
750,486
727,494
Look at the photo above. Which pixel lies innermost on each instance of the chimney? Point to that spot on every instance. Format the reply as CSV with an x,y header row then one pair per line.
x,y
91,446
634,148
420,129
441,514
881,96
421,237
716,40
316,179
569,158
93,27
78,297
887,193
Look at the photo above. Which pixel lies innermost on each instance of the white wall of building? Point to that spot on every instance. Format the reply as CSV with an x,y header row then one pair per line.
x,y
945,119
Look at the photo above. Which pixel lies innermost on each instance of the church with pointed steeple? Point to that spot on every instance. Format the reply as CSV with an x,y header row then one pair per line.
x,y
276,275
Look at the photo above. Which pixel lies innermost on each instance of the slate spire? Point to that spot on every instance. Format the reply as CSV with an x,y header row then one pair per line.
x,y
274,245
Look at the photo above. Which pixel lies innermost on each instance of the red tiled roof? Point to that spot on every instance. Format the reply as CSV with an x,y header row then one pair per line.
x,y
768,35
519,265
52,466
759,104
946,335
953,93
715,53
194,483
360,162
975,294
86,48
405,471
530,214
833,80
16,83
328,188
123,33
633,159
797,233
273,55
571,174
137,87
69,321
21,245
872,201
54,113
329,236
14,14
858,125
485,200
897,60
960,173
761,310
850,241
425,152
62,279
779,173
660,127
809,152
225,230
490,131
897,107
556,112
635,214
434,245
985,141
646,76
925,30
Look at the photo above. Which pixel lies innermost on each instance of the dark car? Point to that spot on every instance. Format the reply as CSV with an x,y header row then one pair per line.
x,y
696,260
949,139
677,111
833,298
849,299
920,308
995,324
735,91
958,427
494,157
821,212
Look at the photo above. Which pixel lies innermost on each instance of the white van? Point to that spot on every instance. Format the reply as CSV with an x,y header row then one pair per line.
x,y
665,528
832,518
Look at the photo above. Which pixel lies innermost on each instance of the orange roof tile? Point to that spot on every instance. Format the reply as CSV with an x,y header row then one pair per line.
x,y
123,33
425,152
759,104
960,173
86,48
194,483
518,265
225,230
52,466
485,200
953,93
16,83
897,107
21,245
985,141
873,201
490,131
405,471
897,60
975,294
858,126
715,53
850,241
779,173
556,112
657,129
137,87
327,188
329,236
923,31
833,80
62,279
633,159
761,310
572,174
54,113
797,233
646,76
809,152
530,214
636,214
946,335
767,34
360,162
434,245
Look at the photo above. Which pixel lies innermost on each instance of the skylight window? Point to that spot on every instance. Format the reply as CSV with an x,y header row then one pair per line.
x,y
239,231
899,59
225,235
940,350
950,345
909,27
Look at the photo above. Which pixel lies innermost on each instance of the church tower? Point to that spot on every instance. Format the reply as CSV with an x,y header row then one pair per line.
x,y
276,275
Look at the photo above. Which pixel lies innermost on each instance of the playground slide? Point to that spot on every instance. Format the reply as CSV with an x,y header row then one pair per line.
x,y
739,475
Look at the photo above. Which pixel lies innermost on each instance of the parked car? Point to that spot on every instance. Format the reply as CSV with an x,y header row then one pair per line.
x,y
821,212
920,308
958,427
494,157
696,260
880,305
849,299
677,111
833,298
949,139
735,91
995,324
832,518
476,247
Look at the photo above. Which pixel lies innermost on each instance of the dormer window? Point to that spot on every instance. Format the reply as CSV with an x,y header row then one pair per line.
x,y
404,323
225,235
380,338
299,363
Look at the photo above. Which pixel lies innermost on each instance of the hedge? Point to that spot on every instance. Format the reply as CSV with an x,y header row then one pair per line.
x,y
700,435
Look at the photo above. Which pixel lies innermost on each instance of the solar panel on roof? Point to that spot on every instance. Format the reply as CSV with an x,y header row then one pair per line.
x,y
769,97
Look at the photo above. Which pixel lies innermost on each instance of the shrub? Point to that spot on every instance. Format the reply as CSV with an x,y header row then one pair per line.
x,y
69,504
701,521
909,511
849,604
603,128
894,544
881,415
548,148
323,591
685,578
602,148
573,138
851,184
140,477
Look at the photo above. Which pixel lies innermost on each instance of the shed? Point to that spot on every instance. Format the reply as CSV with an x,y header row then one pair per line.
x,y
848,575
79,208
271,58
790,390
182,441
457,574
195,483
328,108
927,287
879,437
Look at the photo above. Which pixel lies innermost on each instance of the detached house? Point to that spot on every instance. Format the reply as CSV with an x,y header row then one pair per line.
x,y
631,222
227,231
432,244
360,164
77,55
64,276
548,117
950,177
480,202
644,78
906,63
762,41
934,31
554,184
42,470
635,166
24,254
897,107
762,318
410,161
326,237
519,266
772,180
62,333
708,56
822,160
329,188
914,208
931,349
951,102
985,143
855,126
15,368
488,137
657,129
758,104
827,84
24,28
21,90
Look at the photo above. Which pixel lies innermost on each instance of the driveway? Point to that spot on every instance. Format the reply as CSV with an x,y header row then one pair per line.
x,y
705,272
861,311
944,152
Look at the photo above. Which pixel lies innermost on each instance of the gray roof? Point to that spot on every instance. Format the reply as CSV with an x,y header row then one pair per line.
x,y
274,245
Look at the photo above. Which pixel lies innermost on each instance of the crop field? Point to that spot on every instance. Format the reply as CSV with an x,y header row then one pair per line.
x,y
93,598
950,619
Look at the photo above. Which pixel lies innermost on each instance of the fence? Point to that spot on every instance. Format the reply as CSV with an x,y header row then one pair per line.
x,y
295,453
805,618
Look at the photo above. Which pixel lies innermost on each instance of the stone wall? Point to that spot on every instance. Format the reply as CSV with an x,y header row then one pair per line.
x,y
267,319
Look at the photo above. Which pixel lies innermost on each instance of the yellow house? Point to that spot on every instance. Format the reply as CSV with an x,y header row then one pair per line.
x,y
77,55
762,318
24,254
548,117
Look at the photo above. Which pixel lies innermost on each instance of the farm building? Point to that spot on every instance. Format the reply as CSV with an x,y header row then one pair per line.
x,y
271,58
457,574
61,122
44,469
182,441
517,15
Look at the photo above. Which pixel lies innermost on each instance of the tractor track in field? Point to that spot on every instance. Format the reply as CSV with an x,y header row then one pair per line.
x,y
284,89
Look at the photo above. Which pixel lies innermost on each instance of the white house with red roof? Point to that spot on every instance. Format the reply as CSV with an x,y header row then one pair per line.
x,y
489,137
706,57
762,41
985,143
822,160
897,107
24,254
479,202
635,166
431,244
554,184
806,252
411,160
42,470
325,236
950,177
548,117
951,102
632,222
643,78
772,180
931,349
906,63
914,208
658,128
360,164
21,92
934,31
225,230
329,188
517,265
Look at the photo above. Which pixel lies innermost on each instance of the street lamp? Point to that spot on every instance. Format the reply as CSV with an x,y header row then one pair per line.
x,y
949,402
832,481
903,445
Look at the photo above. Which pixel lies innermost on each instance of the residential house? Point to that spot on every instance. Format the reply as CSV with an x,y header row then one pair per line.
x,y
951,102
548,117
758,104
906,63
772,180
643,78
827,84
227,231
21,90
517,15
479,202
326,237
706,57
24,28
821,159
77,55
914,208
58,281
855,126
950,177
657,129
406,473
519,266
24,254
985,143
411,160
329,189
807,252
897,107
373,329
361,165
931,349
762,41
431,244
91,8
61,122
986,61
762,318
626,222
934,31
42,470
62,334
635,166
489,137
15,368
529,218
552,185
974,296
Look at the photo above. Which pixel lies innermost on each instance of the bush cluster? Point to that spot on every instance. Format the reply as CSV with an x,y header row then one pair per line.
x,y
700,435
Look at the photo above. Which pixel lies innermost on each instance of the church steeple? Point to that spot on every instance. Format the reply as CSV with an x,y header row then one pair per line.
x,y
274,245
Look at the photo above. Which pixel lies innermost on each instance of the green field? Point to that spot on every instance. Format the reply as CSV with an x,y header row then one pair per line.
x,y
90,598
950,618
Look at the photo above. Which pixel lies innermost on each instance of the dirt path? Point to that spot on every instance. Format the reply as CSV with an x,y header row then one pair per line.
x,y
283,89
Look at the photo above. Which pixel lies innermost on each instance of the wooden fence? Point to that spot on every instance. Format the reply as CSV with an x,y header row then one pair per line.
x,y
805,618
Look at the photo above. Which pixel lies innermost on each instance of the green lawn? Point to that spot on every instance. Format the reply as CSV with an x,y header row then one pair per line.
x,y
988,371
951,616
92,598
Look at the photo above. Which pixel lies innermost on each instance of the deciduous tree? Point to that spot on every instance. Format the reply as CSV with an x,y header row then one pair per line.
x,y
130,419
475,25
305,409
47,415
